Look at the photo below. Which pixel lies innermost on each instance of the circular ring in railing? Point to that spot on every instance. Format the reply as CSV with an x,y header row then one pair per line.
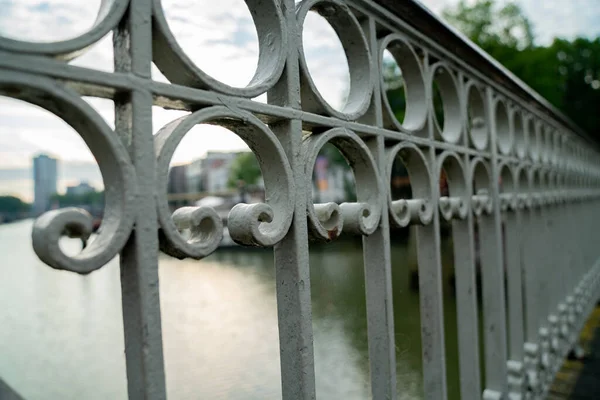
x,y
249,224
419,209
451,129
543,146
522,185
563,150
520,136
546,144
539,186
541,179
477,116
109,15
326,221
355,45
480,176
504,134
557,148
415,112
458,204
115,166
508,188
172,61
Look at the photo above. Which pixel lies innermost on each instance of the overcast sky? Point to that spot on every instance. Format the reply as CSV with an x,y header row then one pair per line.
x,y
220,37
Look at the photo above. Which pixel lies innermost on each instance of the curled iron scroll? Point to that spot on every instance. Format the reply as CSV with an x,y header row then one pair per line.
x,y
509,200
458,204
115,166
419,209
481,177
249,224
326,221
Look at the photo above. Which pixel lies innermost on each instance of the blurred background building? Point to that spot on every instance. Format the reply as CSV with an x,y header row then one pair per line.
x,y
44,181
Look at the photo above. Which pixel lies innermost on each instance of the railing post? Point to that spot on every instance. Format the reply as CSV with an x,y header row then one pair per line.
x,y
430,280
463,239
492,263
377,255
292,273
139,257
531,281
513,220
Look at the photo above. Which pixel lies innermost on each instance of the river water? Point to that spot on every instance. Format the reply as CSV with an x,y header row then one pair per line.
x,y
61,334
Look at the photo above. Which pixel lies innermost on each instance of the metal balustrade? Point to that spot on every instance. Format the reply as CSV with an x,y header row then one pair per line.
x,y
511,160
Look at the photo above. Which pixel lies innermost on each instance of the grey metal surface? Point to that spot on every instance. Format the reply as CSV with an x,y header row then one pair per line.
x,y
518,172
8,393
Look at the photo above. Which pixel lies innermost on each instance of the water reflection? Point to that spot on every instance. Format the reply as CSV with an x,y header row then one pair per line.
x,y
62,333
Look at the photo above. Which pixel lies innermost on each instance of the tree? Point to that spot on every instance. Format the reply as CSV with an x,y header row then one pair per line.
x,y
578,75
245,168
13,205
566,73
491,26
91,198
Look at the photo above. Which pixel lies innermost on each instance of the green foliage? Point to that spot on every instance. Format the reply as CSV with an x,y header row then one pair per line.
x,y
491,26
13,205
578,81
245,168
70,200
566,73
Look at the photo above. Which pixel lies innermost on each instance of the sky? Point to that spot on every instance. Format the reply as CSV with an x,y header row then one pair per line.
x,y
219,36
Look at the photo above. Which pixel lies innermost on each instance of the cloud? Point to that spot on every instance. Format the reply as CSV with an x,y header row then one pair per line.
x,y
45,21
566,19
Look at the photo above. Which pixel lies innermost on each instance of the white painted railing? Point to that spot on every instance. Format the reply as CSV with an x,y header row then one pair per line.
x,y
511,161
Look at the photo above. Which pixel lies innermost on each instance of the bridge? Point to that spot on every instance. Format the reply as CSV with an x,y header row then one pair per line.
x,y
510,158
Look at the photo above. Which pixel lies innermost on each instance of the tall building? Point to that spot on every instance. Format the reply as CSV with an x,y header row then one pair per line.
x,y
44,181
178,179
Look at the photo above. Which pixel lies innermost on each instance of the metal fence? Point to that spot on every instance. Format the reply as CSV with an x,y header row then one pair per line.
x,y
518,172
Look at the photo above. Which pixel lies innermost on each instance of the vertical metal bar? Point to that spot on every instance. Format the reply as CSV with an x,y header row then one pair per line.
x,y
515,302
139,257
432,309
463,239
514,288
530,261
545,264
291,254
430,281
377,257
466,306
492,269
544,267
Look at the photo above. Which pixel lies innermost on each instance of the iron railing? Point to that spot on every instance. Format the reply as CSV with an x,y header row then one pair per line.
x,y
511,160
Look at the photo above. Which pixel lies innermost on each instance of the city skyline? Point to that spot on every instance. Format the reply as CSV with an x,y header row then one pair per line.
x,y
69,174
